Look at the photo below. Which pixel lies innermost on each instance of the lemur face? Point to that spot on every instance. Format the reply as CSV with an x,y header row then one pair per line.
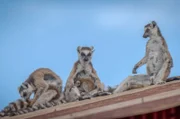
x,y
150,29
85,54
25,90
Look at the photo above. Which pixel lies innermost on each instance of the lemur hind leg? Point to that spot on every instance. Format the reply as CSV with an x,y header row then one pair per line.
x,y
162,75
132,82
46,97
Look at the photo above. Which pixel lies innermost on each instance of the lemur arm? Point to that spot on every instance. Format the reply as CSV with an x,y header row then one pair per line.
x,y
41,87
141,62
70,80
169,59
97,80
36,96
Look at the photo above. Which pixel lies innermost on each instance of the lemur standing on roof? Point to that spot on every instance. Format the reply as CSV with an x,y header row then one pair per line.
x,y
47,89
83,77
38,82
157,59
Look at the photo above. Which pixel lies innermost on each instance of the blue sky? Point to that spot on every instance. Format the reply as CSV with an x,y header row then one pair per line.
x,y
36,33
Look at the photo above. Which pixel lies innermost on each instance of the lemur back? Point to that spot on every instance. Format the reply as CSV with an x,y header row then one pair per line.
x,y
39,82
48,75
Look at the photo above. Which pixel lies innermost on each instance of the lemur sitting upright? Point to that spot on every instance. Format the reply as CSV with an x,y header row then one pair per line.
x,y
83,76
157,59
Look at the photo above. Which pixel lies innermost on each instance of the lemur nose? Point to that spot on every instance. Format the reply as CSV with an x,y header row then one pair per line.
x,y
24,95
85,59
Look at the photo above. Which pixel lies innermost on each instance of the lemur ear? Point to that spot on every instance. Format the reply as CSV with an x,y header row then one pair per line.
x,y
154,24
92,48
79,48
25,85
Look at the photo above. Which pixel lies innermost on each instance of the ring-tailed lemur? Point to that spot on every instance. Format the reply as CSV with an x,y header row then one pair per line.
x,y
157,59
82,70
39,82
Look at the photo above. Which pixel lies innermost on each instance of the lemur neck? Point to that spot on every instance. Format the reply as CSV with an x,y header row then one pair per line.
x,y
85,64
155,36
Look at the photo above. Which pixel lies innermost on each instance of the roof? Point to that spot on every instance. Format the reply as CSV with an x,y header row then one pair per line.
x,y
134,102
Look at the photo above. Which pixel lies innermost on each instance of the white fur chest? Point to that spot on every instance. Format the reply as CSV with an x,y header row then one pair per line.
x,y
84,71
155,55
154,45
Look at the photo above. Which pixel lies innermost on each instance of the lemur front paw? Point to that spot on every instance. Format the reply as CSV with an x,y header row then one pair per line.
x,y
134,71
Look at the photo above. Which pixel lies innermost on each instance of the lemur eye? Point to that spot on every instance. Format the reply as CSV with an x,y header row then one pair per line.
x,y
24,94
147,30
82,54
89,54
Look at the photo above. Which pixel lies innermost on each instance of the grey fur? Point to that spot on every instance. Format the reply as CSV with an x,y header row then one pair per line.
x,y
157,59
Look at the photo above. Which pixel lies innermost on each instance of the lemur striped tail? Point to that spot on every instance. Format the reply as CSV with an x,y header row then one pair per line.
x,y
13,108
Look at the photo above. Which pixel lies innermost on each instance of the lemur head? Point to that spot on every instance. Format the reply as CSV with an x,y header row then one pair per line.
x,y
151,29
85,54
25,90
